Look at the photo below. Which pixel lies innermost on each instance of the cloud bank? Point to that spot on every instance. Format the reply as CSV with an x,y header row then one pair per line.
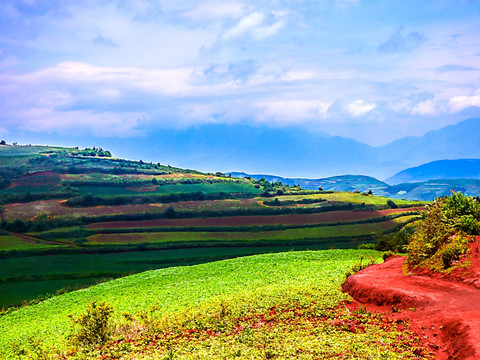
x,y
347,67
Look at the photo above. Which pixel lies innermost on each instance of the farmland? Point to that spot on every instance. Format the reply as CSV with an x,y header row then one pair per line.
x,y
308,283
72,218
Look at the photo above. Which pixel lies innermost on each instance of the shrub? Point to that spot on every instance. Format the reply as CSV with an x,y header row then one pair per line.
x,y
392,204
445,232
469,225
359,266
397,241
94,327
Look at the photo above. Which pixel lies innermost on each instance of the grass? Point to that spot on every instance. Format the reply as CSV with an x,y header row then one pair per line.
x,y
174,288
11,242
37,275
280,306
351,197
229,187
26,150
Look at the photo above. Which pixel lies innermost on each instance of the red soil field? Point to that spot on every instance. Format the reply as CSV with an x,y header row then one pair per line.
x,y
291,219
26,211
38,179
445,309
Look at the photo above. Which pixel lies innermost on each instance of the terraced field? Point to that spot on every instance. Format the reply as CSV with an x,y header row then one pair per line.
x,y
77,217
290,219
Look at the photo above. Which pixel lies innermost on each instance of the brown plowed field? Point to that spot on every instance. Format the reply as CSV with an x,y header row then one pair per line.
x,y
446,310
291,219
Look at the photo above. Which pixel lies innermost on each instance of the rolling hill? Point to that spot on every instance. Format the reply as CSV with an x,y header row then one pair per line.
x,y
81,216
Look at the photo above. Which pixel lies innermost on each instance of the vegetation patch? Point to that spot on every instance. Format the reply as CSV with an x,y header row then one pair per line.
x,y
443,237
283,306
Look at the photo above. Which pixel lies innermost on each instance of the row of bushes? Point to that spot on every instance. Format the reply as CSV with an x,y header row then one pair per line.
x,y
91,200
278,202
29,197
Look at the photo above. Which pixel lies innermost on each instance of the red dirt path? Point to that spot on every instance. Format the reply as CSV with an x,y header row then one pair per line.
x,y
445,311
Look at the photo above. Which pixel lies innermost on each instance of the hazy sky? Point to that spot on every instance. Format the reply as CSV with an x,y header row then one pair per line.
x,y
372,70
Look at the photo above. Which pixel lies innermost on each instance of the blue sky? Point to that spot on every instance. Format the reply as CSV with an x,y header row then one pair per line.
x,y
371,70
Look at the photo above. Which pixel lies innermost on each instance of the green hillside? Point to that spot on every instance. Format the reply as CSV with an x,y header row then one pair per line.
x,y
303,287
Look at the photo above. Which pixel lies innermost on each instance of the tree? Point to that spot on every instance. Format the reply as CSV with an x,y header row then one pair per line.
x,y
392,204
170,212
3,142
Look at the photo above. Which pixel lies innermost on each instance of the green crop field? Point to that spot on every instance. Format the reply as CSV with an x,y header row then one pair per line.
x,y
352,197
306,282
229,187
23,279
174,288
10,242
276,235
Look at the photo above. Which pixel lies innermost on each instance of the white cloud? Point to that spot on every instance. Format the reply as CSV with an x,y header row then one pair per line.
x,y
360,107
212,10
459,103
402,105
292,110
244,25
262,32
160,80
99,124
427,107
257,25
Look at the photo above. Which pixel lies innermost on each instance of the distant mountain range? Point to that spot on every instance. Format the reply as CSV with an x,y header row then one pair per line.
x,y
293,152
441,169
424,182
289,152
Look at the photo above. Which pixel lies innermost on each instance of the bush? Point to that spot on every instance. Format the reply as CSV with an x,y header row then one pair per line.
x,y
445,232
397,241
94,327
469,225
392,204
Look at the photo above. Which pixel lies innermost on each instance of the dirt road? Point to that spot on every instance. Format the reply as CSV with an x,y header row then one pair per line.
x,y
445,311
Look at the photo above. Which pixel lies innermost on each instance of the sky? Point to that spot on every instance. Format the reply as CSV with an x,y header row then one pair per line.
x,y
374,71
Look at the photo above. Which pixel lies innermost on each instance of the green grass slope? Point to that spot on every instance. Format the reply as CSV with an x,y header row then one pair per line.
x,y
174,288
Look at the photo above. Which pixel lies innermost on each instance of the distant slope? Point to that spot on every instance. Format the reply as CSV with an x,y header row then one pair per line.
x,y
429,190
336,183
441,169
422,190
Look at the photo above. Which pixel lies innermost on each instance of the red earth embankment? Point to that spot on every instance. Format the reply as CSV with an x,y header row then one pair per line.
x,y
445,310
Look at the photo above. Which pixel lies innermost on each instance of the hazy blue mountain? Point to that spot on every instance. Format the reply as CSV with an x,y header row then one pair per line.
x,y
441,169
460,141
286,151
297,153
